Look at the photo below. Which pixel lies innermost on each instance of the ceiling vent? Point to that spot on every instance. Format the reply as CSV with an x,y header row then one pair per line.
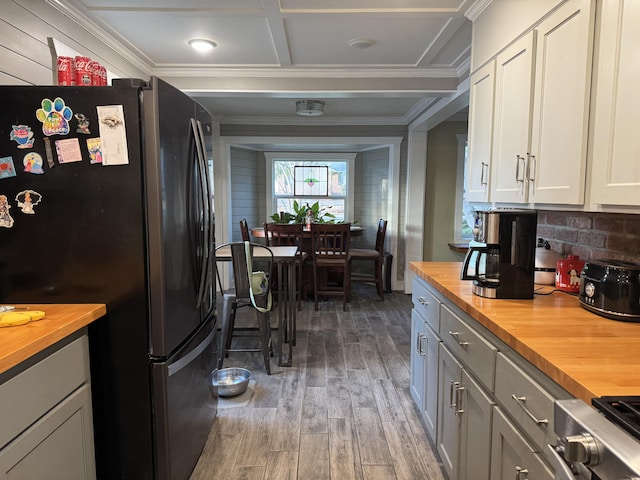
x,y
310,108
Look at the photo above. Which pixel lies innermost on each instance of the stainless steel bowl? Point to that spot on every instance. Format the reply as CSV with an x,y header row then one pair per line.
x,y
230,381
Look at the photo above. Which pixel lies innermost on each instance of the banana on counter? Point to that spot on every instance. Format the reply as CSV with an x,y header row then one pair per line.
x,y
12,318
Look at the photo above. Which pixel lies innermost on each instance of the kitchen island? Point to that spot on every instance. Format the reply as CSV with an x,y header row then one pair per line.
x,y
485,373
45,392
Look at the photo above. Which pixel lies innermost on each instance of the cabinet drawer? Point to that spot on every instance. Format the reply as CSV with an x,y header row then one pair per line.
x,y
469,346
426,304
530,405
32,393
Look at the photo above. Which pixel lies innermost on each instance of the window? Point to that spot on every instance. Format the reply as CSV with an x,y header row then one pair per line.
x,y
464,218
309,178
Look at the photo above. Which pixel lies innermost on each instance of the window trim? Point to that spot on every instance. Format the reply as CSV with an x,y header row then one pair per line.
x,y
313,156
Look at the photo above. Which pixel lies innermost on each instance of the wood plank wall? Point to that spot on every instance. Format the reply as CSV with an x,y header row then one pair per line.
x,y
25,56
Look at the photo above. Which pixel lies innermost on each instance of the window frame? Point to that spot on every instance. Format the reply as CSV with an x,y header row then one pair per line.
x,y
272,157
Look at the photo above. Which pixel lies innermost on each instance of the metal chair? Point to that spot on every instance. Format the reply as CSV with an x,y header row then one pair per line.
x,y
245,294
244,230
376,255
330,251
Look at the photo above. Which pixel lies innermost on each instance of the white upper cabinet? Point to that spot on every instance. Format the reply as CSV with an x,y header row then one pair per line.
x,y
512,120
616,126
540,113
558,152
481,100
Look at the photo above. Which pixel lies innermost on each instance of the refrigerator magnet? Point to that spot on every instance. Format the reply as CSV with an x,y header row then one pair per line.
x,y
32,162
68,150
48,152
95,150
55,116
6,220
22,135
83,124
7,169
113,135
27,199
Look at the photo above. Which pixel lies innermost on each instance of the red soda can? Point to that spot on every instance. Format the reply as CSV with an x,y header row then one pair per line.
x,y
83,75
94,70
65,70
103,76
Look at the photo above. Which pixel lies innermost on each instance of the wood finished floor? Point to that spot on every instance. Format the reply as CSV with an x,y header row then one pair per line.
x,y
342,412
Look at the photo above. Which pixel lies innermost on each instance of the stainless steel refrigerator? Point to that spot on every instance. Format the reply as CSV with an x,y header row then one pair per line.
x,y
86,216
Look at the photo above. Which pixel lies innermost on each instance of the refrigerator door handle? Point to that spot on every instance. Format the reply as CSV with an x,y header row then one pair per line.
x,y
209,220
203,192
175,367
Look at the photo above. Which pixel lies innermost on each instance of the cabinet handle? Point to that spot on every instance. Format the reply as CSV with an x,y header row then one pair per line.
x,y
421,336
459,409
531,167
521,401
452,386
484,168
520,472
423,301
518,161
454,334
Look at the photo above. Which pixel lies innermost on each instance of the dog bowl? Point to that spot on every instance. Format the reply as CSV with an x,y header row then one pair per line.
x,y
230,381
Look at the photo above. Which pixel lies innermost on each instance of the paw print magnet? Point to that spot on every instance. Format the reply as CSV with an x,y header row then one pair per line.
x,y
6,220
27,199
55,116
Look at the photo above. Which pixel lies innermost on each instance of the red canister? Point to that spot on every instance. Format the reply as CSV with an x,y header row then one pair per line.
x,y
83,75
66,71
568,274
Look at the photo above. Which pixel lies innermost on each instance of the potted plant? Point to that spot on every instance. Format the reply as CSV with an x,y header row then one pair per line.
x,y
320,215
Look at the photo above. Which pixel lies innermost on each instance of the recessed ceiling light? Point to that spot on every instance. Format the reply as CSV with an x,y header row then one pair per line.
x,y
361,43
201,45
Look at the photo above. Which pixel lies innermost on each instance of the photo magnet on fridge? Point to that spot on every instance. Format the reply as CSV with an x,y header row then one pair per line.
x,y
33,162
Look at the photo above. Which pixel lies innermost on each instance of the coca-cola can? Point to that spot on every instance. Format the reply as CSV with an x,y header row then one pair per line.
x,y
83,75
103,76
66,71
94,70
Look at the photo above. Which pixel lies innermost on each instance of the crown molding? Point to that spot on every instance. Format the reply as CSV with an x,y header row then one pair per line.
x,y
476,9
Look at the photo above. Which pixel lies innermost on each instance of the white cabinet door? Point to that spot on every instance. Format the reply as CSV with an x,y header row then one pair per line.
x,y
616,143
511,455
481,101
557,164
512,120
430,396
448,436
418,354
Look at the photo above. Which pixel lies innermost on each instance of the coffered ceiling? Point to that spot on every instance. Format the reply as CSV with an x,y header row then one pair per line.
x,y
271,53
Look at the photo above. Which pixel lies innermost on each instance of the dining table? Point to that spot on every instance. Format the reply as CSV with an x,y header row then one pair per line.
x,y
284,257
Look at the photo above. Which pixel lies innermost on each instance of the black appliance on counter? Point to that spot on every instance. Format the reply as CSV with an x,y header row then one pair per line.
x,y
598,443
501,259
611,288
135,233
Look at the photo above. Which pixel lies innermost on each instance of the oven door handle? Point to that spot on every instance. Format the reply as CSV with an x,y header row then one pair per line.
x,y
563,472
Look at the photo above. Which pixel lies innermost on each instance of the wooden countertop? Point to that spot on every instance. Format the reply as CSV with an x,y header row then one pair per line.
x,y
588,355
21,342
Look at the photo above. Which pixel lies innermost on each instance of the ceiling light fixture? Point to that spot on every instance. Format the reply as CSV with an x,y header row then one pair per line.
x,y
361,43
309,108
201,45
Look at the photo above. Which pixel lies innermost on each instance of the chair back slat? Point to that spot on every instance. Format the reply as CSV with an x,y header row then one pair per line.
x,y
244,230
380,236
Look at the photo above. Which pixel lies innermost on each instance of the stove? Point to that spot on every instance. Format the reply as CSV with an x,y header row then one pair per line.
x,y
599,442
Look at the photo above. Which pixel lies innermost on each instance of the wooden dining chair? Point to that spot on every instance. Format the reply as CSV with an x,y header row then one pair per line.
x,y
245,294
374,255
330,252
289,234
244,230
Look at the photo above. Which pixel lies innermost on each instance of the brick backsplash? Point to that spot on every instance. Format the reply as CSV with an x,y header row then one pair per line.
x,y
592,235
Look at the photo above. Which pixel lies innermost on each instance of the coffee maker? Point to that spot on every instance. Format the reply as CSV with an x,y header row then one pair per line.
x,y
501,259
